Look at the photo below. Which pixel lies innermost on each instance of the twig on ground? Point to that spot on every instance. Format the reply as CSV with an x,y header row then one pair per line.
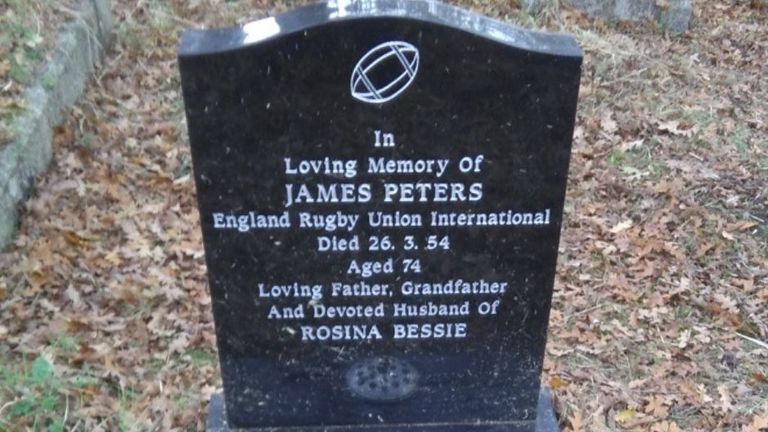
x,y
66,410
582,312
753,340
5,406
627,77
108,67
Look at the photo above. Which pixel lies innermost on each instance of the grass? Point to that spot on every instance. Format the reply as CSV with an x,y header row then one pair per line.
x,y
22,38
27,35
28,31
201,357
739,139
22,49
39,394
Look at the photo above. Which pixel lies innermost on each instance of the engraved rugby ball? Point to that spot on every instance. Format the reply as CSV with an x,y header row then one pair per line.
x,y
384,72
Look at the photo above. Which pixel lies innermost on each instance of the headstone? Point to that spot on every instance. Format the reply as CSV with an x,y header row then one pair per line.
x,y
381,186
676,16
673,15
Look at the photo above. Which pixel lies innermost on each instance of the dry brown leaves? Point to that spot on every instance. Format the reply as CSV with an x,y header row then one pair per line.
x,y
662,296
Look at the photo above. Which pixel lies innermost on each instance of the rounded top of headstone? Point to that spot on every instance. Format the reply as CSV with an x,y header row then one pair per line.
x,y
202,42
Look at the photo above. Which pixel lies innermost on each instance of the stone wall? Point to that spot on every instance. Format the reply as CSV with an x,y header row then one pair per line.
x,y
674,17
80,46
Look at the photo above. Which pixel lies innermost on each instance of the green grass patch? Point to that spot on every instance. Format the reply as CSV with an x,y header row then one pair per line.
x,y
27,29
617,158
201,357
21,36
739,139
38,394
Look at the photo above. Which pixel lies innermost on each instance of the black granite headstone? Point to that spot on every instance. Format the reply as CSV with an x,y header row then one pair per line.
x,y
381,186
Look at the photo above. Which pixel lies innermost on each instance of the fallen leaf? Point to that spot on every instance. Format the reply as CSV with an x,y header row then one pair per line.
x,y
622,226
625,416
556,382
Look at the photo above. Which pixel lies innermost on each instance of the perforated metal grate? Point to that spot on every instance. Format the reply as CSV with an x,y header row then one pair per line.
x,y
382,379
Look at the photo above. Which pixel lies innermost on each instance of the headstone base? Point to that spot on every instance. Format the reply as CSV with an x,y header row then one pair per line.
x,y
546,422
